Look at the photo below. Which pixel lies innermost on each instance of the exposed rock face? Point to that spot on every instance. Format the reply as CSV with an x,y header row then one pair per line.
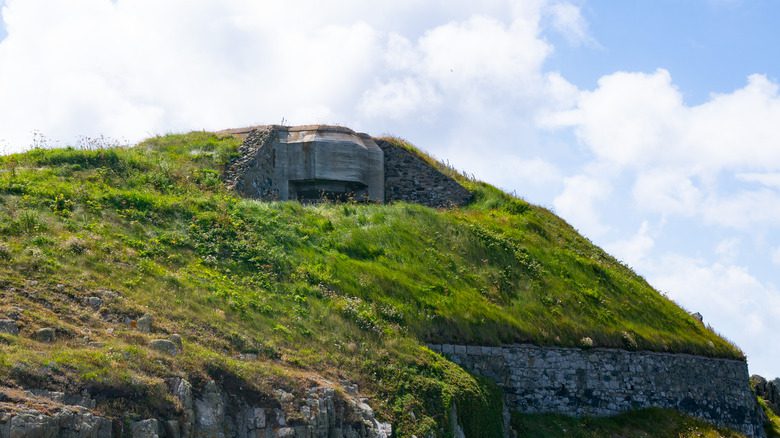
x,y
769,390
47,334
596,382
145,429
71,423
320,412
9,326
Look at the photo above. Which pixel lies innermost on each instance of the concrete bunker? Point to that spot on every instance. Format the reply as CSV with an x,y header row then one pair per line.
x,y
313,163
327,162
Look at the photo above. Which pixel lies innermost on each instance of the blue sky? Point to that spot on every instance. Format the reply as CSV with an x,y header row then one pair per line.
x,y
708,46
651,126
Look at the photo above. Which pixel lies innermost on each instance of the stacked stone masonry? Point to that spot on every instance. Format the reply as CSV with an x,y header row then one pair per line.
x,y
599,382
409,178
300,162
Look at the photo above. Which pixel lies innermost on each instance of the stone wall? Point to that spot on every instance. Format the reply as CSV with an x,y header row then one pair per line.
x,y
409,178
249,173
598,382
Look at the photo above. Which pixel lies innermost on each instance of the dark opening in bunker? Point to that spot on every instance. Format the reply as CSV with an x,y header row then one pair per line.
x,y
318,190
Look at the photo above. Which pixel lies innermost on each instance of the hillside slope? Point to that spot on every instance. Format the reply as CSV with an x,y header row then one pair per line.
x,y
96,243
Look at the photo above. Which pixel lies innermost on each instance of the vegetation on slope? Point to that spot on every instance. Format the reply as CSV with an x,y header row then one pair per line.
x,y
772,419
273,292
647,423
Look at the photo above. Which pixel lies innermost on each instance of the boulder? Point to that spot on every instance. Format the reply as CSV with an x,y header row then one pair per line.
x,y
9,326
176,339
769,390
165,346
47,334
95,302
210,413
144,324
145,429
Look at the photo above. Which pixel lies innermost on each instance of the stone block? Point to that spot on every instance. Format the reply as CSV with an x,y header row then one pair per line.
x,y
47,334
9,326
144,324
145,429
165,346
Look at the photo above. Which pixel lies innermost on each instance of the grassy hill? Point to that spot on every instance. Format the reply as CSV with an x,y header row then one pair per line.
x,y
273,293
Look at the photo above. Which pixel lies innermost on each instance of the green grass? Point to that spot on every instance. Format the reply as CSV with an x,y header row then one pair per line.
x,y
773,420
647,423
341,290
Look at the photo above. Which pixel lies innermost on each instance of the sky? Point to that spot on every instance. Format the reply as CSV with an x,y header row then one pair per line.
x,y
651,126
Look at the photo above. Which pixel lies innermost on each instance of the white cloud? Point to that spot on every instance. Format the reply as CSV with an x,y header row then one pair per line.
x,y
769,179
775,255
638,119
740,306
636,248
400,98
640,124
483,51
129,69
728,249
467,66
666,191
577,203
628,118
743,210
567,19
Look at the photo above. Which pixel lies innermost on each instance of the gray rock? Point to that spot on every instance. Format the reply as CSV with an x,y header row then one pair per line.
x,y
63,423
164,346
172,429
769,390
9,326
210,413
107,294
95,302
176,339
47,334
145,429
698,316
182,390
144,324
15,313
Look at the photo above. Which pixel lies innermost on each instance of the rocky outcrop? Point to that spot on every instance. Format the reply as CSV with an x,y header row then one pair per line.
x,y
214,412
9,326
597,382
769,390
66,423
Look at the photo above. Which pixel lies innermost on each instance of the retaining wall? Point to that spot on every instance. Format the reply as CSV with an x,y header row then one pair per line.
x,y
599,382
408,178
